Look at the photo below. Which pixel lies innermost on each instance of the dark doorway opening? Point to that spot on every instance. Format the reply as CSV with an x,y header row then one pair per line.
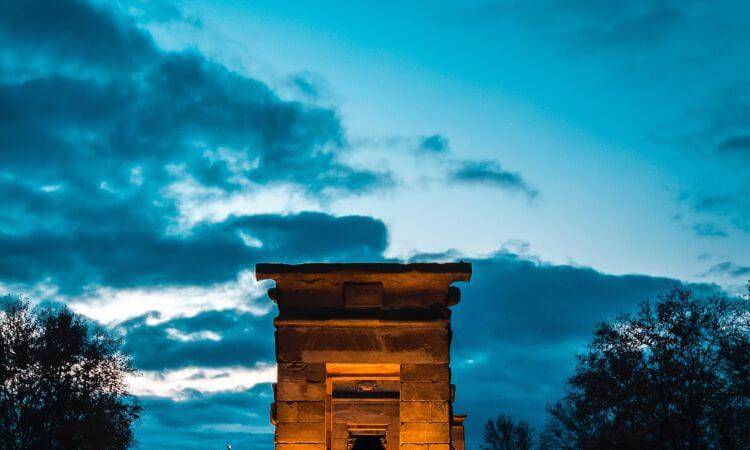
x,y
368,443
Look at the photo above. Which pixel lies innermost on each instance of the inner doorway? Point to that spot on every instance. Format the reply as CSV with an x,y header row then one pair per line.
x,y
368,443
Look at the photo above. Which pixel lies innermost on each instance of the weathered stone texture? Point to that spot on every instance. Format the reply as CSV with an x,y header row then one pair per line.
x,y
425,411
425,433
425,372
282,446
300,433
300,391
301,372
300,411
425,391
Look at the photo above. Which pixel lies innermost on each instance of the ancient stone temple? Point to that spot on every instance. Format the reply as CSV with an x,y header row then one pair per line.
x,y
363,354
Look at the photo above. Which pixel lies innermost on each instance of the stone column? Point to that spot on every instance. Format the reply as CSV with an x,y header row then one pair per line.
x,y
425,407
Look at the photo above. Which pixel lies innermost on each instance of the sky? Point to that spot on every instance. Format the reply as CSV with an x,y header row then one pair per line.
x,y
584,156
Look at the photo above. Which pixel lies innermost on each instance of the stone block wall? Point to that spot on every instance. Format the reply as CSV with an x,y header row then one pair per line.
x,y
425,407
299,409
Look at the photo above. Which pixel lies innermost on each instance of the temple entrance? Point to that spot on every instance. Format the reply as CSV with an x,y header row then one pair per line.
x,y
363,402
363,354
367,443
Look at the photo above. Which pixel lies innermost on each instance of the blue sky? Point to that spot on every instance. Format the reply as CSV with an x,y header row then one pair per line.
x,y
583,155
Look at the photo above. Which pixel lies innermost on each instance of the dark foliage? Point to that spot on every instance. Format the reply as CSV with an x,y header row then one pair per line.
x,y
505,434
61,382
674,376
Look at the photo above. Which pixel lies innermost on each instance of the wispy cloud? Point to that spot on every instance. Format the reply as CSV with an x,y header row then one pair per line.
x,y
708,229
585,25
435,143
728,268
735,145
491,173
181,384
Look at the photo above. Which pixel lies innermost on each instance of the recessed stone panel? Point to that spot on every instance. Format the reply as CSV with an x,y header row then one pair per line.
x,y
363,295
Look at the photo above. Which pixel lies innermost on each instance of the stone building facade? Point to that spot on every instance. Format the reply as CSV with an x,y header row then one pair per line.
x,y
363,353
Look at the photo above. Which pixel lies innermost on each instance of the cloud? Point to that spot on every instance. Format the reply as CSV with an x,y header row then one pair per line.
x,y
434,144
491,173
73,33
733,208
176,384
130,253
584,24
208,420
735,145
177,111
520,323
159,304
221,338
708,229
99,129
730,269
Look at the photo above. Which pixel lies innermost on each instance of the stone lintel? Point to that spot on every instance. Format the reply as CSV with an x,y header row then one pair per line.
x,y
362,323
461,271
364,285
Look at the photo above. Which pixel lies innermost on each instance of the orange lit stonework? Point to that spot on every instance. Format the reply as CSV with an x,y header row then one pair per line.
x,y
363,353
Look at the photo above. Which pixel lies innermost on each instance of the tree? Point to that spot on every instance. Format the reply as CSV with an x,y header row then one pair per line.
x,y
674,376
505,434
62,382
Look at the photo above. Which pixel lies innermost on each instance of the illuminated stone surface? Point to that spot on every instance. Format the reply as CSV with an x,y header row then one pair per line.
x,y
363,353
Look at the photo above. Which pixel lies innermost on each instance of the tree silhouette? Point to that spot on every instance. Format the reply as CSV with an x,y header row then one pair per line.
x,y
505,434
674,376
61,382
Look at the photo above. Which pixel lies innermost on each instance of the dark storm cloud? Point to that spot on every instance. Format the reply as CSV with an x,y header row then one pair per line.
x,y
519,325
132,254
96,124
71,32
245,339
519,300
224,128
491,173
